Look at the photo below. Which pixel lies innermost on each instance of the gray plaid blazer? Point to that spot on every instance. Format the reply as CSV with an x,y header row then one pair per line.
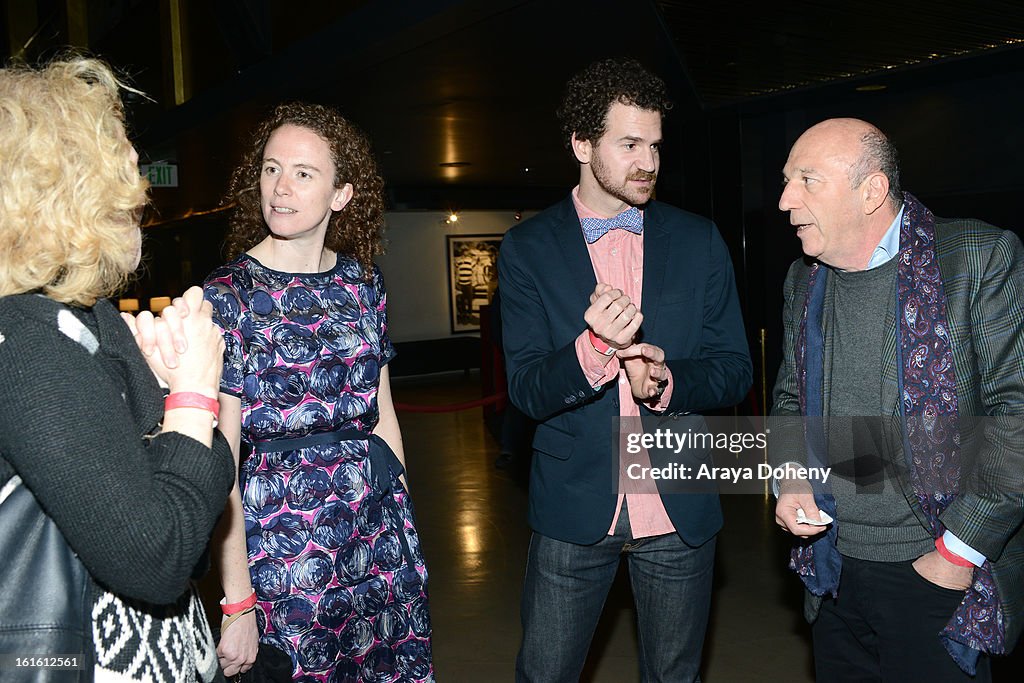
x,y
983,274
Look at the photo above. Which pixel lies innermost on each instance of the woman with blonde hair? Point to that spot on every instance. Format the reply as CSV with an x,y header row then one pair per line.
x,y
108,489
322,541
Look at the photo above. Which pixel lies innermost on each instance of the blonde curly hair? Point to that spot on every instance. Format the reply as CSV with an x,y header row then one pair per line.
x,y
70,193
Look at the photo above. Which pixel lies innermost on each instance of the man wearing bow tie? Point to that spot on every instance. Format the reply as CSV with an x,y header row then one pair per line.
x,y
615,305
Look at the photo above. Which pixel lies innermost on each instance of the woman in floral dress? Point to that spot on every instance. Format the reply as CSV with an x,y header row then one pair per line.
x,y
323,530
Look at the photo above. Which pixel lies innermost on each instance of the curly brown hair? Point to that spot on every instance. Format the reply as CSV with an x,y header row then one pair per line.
x,y
590,94
354,231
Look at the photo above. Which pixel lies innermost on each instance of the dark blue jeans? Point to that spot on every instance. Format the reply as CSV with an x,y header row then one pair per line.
x,y
565,589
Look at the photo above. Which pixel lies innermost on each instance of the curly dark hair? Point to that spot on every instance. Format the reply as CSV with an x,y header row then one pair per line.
x,y
590,94
354,231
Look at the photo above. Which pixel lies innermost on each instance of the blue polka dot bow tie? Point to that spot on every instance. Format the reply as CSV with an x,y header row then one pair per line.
x,y
595,228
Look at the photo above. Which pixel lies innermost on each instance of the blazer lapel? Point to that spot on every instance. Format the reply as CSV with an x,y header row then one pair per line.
x,y
656,247
573,255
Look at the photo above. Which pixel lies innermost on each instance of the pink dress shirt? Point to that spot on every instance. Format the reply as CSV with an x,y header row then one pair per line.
x,y
618,260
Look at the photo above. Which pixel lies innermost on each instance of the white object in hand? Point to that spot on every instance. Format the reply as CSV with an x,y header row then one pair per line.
x,y
801,518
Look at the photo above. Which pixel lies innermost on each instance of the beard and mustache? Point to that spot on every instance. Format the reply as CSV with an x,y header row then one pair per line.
x,y
633,196
642,175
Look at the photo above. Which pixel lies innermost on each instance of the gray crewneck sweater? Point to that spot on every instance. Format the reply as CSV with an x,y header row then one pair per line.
x,y
875,521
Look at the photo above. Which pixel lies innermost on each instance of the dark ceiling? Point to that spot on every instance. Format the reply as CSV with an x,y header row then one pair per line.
x,y
735,51
458,96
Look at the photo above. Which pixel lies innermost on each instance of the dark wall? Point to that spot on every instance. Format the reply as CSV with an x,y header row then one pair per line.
x,y
178,255
959,133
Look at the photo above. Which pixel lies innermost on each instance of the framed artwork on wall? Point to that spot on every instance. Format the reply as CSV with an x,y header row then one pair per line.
x,y
472,278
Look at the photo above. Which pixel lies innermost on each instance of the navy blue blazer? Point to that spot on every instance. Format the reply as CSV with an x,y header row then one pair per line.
x,y
690,310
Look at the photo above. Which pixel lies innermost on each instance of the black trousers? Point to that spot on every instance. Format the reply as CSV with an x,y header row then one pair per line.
x,y
884,627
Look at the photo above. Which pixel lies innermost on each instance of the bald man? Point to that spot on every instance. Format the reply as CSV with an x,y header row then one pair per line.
x,y
921,574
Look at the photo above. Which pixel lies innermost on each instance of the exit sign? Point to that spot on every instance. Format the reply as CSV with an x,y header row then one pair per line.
x,y
160,175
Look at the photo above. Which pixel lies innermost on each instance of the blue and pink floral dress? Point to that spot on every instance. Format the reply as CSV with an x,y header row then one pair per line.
x,y
333,550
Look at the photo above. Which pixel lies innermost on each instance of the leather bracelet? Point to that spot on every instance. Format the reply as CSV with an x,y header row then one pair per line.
x,y
598,344
191,399
234,607
950,556
228,620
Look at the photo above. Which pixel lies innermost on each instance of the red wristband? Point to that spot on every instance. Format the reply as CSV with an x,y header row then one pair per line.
x,y
190,399
950,556
598,344
236,607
